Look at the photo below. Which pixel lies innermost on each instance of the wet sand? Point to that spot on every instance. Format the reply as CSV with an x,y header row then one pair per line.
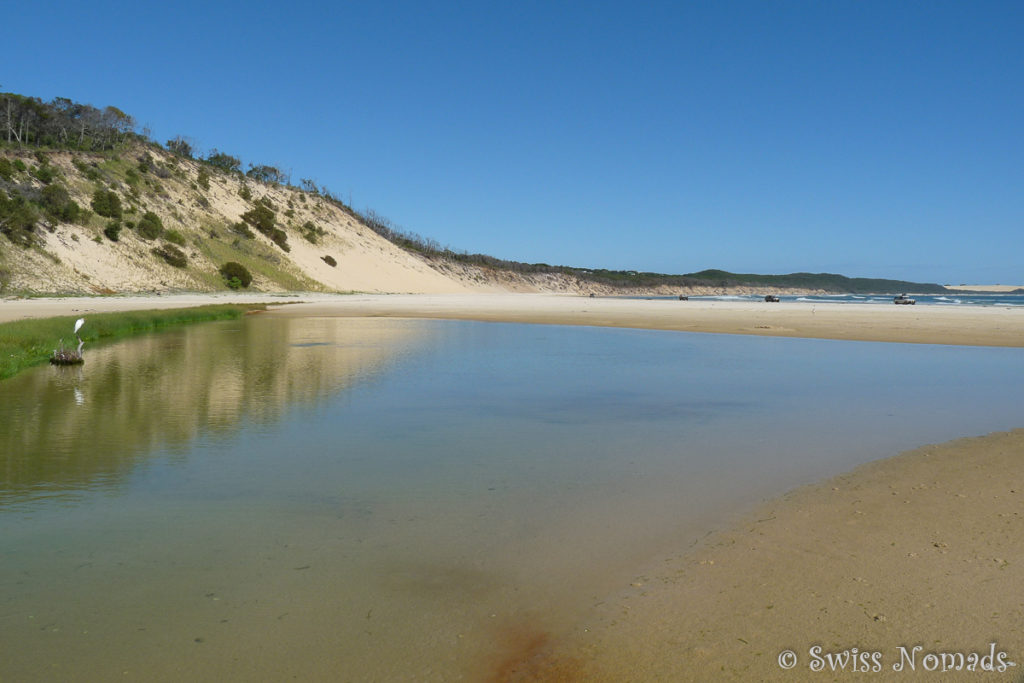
x,y
921,549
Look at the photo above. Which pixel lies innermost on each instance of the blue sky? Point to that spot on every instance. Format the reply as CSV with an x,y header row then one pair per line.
x,y
876,139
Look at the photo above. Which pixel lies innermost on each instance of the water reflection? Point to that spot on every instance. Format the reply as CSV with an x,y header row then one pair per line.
x,y
64,429
269,514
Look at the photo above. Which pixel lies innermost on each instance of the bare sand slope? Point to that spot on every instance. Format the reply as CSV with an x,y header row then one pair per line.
x,y
976,326
919,550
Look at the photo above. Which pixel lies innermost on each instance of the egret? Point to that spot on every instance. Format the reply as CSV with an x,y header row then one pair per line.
x,y
78,326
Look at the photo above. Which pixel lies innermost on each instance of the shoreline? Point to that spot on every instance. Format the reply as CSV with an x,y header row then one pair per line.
x,y
917,549
959,325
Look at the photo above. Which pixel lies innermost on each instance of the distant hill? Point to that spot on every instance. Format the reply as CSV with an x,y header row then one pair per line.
x,y
828,282
88,205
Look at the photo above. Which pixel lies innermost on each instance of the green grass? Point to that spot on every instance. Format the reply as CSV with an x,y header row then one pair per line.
x,y
27,343
251,256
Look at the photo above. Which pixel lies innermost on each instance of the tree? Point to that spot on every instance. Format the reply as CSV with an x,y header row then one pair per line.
x,y
62,122
180,146
224,162
267,174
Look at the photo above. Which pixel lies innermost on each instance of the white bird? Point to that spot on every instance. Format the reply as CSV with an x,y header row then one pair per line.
x,y
78,325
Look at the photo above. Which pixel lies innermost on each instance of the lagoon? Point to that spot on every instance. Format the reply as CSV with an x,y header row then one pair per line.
x,y
378,499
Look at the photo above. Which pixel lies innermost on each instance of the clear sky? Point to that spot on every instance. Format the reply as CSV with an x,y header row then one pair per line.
x,y
876,139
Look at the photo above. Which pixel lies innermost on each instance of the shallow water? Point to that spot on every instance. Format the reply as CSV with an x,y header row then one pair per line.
x,y
347,499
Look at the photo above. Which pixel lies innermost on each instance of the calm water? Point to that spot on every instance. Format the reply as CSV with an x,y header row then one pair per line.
x,y
345,499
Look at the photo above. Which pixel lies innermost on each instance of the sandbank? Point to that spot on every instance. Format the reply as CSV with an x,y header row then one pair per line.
x,y
960,325
989,289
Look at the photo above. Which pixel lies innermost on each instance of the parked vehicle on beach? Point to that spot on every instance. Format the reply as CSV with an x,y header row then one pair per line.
x,y
904,299
771,298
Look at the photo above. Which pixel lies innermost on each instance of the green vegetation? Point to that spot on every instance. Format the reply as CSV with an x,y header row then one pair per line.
x,y
62,123
224,162
828,282
267,174
236,275
243,230
106,203
312,233
150,226
58,205
113,231
17,219
172,255
260,259
180,146
26,343
263,218
45,173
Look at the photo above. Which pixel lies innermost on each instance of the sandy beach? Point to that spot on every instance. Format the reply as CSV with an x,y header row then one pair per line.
x,y
974,326
958,325
918,550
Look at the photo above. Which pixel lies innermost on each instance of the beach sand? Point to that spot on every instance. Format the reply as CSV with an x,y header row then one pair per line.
x,y
988,289
921,549
960,325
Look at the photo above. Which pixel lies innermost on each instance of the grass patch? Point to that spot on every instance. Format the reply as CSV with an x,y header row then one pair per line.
x,y
252,256
27,343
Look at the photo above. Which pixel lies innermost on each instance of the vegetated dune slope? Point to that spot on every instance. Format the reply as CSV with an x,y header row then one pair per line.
x,y
77,258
